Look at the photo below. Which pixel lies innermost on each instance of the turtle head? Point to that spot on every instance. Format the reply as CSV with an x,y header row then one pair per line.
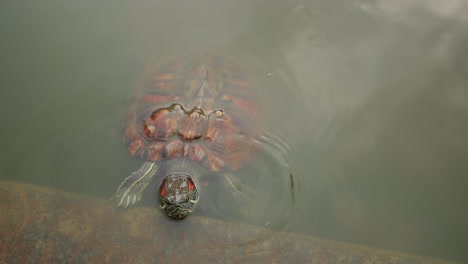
x,y
178,195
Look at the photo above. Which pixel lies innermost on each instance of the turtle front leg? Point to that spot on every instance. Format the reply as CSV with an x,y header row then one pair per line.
x,y
131,189
250,201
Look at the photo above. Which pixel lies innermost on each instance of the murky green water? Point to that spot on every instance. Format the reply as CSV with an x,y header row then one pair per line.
x,y
374,104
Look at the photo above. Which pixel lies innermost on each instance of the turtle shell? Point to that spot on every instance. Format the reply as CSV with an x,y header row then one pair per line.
x,y
203,106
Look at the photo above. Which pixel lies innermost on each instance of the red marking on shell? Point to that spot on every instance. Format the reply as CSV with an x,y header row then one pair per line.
x,y
219,87
241,83
163,81
219,127
159,114
165,76
243,103
198,153
228,141
215,163
136,146
174,149
162,85
150,98
190,126
195,152
149,129
154,151
161,124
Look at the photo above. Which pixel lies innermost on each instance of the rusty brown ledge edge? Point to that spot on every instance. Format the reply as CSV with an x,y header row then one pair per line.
x,y
45,225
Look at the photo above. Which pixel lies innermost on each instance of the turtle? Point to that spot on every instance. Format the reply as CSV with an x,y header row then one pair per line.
x,y
195,114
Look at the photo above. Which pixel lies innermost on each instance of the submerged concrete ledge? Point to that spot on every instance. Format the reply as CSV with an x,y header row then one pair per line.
x,y
44,225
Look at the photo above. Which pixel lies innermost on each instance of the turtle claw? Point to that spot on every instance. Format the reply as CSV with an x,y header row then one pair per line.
x,y
131,189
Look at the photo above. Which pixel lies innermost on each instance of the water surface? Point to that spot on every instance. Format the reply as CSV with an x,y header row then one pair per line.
x,y
370,105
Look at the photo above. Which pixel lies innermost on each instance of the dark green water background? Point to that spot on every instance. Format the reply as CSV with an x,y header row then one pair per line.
x,y
379,122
